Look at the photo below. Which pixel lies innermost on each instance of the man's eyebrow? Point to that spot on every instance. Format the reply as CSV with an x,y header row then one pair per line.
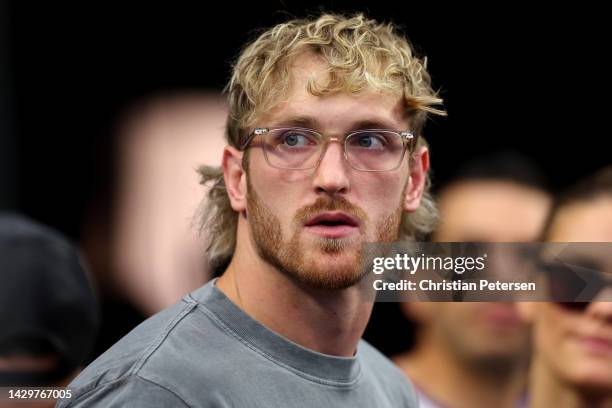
x,y
298,121
374,123
312,123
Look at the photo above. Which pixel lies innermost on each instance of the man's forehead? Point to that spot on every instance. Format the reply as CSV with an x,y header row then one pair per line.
x,y
298,106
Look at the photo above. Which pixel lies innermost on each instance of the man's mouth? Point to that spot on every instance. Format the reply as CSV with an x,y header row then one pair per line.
x,y
332,224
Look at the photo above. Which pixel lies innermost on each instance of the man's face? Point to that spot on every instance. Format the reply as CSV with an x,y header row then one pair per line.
x,y
486,211
577,345
310,224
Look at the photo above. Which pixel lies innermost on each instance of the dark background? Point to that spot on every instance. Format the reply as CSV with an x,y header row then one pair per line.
x,y
512,77
522,78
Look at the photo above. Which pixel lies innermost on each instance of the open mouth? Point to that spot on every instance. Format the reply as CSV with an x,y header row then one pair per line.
x,y
332,225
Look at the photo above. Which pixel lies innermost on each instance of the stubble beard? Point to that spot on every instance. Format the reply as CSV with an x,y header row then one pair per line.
x,y
335,263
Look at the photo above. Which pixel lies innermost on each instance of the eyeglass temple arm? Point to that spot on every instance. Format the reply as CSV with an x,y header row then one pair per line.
x,y
411,139
255,132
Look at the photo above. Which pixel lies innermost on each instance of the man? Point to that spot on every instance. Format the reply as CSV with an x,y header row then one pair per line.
x,y
572,362
48,311
305,182
478,351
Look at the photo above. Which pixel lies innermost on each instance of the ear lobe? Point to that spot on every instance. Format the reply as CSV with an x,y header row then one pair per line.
x,y
418,176
235,178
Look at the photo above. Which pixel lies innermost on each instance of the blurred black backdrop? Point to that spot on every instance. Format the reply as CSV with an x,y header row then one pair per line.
x,y
534,80
511,77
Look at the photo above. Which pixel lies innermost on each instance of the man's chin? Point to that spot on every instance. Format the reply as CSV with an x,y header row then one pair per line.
x,y
346,246
326,270
339,256
330,279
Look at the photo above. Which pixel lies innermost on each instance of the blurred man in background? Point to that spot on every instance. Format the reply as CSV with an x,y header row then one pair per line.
x,y
156,255
140,235
477,353
48,311
572,361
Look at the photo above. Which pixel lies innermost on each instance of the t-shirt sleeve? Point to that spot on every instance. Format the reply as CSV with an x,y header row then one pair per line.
x,y
132,391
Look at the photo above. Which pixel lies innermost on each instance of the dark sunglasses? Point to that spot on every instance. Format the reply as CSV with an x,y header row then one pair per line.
x,y
575,285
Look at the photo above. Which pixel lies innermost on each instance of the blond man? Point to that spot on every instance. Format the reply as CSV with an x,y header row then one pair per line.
x,y
324,154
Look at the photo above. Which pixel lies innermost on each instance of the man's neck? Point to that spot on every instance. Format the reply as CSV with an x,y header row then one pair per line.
x,y
546,389
327,321
456,385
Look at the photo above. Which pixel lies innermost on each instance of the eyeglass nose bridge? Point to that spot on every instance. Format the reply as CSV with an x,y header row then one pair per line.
x,y
328,140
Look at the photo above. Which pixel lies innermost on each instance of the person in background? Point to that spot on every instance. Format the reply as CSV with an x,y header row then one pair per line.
x,y
477,352
572,360
149,253
48,309
140,234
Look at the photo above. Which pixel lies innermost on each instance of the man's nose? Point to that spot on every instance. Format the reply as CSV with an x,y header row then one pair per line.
x,y
331,175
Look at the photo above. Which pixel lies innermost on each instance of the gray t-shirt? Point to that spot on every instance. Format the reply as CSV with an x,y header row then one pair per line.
x,y
205,351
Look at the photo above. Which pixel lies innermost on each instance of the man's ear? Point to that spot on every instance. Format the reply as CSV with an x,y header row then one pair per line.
x,y
235,178
419,165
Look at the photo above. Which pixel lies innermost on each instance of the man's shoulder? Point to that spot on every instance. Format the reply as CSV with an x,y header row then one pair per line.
x,y
127,391
159,355
381,370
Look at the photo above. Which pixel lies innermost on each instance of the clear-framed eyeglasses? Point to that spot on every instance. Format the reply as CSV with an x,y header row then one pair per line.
x,y
296,148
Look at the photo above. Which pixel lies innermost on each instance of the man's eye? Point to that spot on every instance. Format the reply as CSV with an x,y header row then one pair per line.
x,y
294,140
370,141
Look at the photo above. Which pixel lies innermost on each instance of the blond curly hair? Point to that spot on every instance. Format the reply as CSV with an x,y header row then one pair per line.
x,y
361,54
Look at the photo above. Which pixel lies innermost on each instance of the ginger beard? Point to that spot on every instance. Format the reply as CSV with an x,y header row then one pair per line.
x,y
317,262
